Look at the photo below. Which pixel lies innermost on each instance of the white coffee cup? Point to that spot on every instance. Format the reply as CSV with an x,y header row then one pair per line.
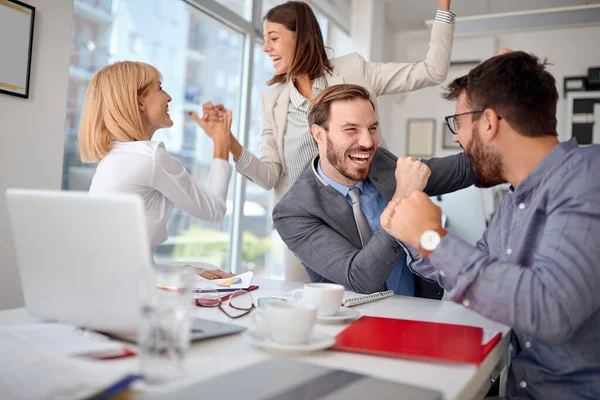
x,y
326,297
289,322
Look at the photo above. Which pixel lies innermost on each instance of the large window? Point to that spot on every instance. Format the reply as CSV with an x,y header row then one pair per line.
x,y
202,57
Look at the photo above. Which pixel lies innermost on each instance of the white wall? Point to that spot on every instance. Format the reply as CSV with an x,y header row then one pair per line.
x,y
33,129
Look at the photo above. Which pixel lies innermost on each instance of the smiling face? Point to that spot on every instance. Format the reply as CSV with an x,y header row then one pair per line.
x,y
154,109
279,44
348,146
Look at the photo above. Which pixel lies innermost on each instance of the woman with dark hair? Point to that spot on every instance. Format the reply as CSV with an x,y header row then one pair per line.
x,y
293,40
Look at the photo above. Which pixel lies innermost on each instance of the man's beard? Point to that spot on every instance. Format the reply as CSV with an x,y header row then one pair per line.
x,y
338,160
485,163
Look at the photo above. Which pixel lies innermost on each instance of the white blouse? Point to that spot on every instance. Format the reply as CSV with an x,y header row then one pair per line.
x,y
146,169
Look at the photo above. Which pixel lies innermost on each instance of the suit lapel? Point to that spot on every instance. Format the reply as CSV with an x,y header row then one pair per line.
x,y
281,111
382,175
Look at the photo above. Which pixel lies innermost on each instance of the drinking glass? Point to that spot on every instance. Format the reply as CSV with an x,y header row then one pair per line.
x,y
164,334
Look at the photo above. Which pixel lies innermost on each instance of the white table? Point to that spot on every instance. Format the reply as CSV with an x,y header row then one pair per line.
x,y
214,357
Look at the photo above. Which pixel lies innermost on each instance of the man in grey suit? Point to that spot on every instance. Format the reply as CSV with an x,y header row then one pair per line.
x,y
330,217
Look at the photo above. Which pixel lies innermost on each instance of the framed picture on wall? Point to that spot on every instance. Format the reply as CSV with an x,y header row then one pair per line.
x,y
16,40
447,142
420,137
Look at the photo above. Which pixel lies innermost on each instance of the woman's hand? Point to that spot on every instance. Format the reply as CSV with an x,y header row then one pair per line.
x,y
212,112
214,274
216,122
444,5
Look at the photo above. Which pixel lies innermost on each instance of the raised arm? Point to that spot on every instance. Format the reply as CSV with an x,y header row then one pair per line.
x,y
448,174
176,184
435,176
397,77
265,171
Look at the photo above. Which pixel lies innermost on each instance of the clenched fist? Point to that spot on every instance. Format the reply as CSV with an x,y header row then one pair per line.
x,y
411,175
406,219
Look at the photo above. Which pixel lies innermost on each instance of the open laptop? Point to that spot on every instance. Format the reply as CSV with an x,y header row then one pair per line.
x,y
79,258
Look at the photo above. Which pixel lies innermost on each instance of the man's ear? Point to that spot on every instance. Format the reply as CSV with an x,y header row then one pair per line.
x,y
318,133
491,123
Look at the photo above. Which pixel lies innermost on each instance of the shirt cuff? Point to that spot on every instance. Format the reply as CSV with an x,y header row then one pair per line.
x,y
452,256
447,17
422,267
219,176
243,160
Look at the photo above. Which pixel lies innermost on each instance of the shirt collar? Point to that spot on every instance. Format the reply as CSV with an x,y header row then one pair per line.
x,y
297,99
343,189
556,157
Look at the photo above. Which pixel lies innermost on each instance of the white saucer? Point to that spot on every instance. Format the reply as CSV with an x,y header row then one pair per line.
x,y
344,314
317,341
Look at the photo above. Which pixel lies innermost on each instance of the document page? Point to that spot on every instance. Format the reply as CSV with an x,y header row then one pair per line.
x,y
28,373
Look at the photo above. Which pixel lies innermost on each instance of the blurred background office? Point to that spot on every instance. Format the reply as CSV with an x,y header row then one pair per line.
x,y
212,50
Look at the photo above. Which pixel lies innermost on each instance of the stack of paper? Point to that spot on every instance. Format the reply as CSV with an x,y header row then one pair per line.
x,y
61,338
28,372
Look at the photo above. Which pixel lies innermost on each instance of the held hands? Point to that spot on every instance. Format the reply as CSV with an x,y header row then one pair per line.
x,y
411,175
216,122
217,125
406,219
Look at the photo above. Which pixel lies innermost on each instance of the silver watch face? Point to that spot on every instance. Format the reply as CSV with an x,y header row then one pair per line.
x,y
430,239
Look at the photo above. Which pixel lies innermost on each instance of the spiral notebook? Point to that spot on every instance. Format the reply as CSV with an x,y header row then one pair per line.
x,y
354,299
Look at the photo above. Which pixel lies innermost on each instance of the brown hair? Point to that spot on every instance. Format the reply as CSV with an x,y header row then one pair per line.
x,y
319,109
110,109
310,57
517,86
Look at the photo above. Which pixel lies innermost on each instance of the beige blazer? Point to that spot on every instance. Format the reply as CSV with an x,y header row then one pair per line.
x,y
378,78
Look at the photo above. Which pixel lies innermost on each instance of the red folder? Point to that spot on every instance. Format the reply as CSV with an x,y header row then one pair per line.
x,y
416,339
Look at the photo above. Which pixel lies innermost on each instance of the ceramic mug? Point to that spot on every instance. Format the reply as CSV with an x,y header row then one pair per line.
x,y
325,297
288,322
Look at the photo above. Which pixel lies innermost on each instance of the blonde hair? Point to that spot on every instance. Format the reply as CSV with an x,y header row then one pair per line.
x,y
110,110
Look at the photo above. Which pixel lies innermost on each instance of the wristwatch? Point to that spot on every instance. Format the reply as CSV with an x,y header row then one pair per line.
x,y
430,239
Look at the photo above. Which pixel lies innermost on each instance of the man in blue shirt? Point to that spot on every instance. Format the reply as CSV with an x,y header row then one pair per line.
x,y
536,268
330,216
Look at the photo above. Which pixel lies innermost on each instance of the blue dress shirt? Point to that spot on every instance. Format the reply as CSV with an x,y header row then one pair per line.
x,y
372,203
537,270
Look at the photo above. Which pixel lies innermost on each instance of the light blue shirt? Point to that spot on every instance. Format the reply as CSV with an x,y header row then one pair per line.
x,y
372,203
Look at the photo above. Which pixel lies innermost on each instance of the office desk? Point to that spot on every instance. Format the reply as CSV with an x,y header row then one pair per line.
x,y
210,358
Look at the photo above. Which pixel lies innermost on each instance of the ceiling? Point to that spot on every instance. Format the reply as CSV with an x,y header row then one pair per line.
x,y
405,15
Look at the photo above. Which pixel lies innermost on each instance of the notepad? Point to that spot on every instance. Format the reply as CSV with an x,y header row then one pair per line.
x,y
64,339
353,299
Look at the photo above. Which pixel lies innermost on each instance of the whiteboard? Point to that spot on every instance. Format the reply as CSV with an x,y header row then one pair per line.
x,y
16,30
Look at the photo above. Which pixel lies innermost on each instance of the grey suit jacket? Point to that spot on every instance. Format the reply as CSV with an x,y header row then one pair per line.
x,y
316,222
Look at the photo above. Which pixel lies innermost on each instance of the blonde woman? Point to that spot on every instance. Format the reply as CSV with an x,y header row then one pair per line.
x,y
124,106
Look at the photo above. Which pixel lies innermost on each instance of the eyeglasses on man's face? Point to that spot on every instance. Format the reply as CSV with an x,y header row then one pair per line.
x,y
453,124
